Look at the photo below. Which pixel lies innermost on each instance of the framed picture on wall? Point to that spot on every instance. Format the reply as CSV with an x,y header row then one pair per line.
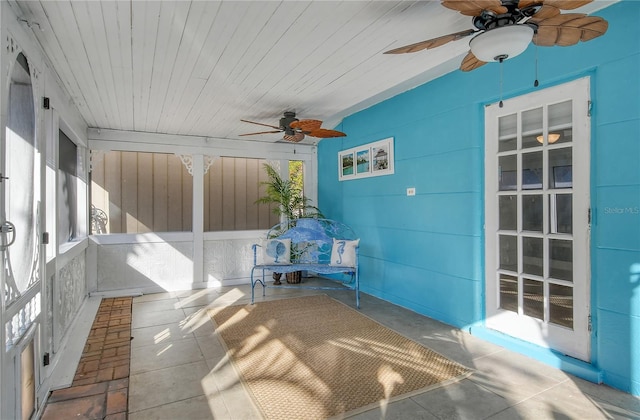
x,y
372,159
380,155
363,161
346,165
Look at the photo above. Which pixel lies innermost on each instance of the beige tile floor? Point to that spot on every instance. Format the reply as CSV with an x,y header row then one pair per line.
x,y
179,369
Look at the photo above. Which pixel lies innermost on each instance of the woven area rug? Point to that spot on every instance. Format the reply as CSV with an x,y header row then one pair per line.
x,y
314,358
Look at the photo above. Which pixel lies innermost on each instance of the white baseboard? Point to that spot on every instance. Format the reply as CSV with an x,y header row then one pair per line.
x,y
68,355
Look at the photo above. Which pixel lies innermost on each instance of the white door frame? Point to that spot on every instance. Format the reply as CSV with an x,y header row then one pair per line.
x,y
21,313
574,342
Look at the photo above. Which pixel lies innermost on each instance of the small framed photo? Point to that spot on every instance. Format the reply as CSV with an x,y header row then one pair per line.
x,y
373,159
347,169
380,157
363,161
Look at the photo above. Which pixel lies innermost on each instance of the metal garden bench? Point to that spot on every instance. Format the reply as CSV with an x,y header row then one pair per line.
x,y
320,246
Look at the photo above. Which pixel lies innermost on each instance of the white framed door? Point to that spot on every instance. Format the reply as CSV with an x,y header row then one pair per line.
x,y
20,233
537,150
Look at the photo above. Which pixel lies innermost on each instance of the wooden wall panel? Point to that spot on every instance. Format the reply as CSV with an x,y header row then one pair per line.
x,y
240,194
129,192
99,197
206,214
153,192
228,194
174,194
187,200
253,169
215,196
113,186
145,193
264,211
160,196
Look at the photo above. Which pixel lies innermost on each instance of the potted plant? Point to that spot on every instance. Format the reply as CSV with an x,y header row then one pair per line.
x,y
291,205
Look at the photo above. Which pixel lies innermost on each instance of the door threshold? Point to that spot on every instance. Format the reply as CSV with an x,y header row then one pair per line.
x,y
567,364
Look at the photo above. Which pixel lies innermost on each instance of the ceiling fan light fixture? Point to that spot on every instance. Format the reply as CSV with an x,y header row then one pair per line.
x,y
501,43
553,137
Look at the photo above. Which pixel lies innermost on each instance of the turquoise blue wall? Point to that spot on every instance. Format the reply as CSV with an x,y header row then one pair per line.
x,y
426,252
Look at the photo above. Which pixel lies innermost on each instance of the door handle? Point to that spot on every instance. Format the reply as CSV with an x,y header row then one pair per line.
x,y
7,228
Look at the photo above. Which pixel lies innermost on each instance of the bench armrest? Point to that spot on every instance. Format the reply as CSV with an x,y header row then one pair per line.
x,y
254,247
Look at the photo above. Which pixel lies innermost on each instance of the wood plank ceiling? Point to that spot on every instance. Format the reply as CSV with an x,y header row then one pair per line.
x,y
198,67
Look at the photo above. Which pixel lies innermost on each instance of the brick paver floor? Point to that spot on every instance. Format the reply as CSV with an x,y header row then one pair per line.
x,y
100,387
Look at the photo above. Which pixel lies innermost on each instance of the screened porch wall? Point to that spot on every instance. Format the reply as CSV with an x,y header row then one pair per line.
x,y
143,204
216,248
138,192
135,192
231,187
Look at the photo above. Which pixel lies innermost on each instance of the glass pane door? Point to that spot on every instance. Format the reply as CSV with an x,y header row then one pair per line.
x,y
524,239
537,268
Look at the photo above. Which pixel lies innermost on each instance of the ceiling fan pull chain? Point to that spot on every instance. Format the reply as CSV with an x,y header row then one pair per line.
x,y
501,64
536,83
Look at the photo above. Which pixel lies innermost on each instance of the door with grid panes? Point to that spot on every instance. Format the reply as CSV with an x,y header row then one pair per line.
x,y
537,218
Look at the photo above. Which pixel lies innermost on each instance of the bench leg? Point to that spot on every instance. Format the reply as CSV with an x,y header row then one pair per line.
x,y
357,283
253,284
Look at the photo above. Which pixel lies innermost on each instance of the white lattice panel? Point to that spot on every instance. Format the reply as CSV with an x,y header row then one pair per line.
x,y
68,293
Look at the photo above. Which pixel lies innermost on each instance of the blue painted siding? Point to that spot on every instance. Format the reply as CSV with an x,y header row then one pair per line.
x,y
426,252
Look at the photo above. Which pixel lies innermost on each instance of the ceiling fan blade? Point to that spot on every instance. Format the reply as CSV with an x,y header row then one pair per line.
x,y
566,4
324,133
295,138
474,7
596,27
471,62
257,123
261,132
432,43
306,125
569,29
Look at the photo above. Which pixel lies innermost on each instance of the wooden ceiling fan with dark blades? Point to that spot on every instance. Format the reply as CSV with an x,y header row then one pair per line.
x,y
504,28
295,130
